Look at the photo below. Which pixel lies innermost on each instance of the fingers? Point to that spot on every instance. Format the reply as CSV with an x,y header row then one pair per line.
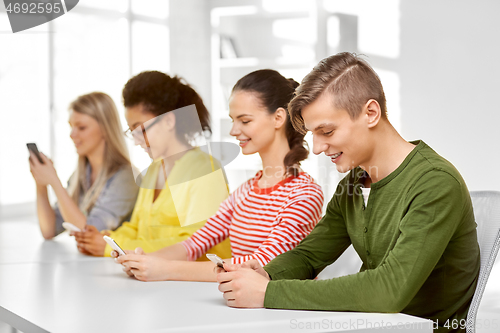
x,y
128,271
82,249
130,257
225,287
231,267
139,251
229,296
253,264
135,266
84,237
119,259
218,270
45,159
232,303
92,249
225,277
90,228
133,271
33,160
79,236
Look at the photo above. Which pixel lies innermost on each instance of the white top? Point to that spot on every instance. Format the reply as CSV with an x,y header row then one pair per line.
x,y
366,194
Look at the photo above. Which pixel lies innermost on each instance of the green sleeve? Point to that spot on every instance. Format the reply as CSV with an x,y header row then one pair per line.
x,y
436,209
326,242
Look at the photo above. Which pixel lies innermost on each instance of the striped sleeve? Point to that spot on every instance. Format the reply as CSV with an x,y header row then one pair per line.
x,y
215,230
296,220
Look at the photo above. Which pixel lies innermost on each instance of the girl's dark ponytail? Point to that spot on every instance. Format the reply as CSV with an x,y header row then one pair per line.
x,y
276,91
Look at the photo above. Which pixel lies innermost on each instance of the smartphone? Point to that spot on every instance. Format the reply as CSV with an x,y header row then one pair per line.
x,y
216,260
114,245
34,149
71,227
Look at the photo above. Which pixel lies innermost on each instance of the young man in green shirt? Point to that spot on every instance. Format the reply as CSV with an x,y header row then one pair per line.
x,y
414,230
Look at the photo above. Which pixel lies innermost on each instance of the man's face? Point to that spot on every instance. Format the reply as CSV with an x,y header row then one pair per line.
x,y
343,140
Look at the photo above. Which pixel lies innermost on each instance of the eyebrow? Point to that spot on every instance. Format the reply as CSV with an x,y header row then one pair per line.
x,y
134,125
241,115
320,126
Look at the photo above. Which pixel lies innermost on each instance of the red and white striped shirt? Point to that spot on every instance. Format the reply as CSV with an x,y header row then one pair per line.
x,y
261,223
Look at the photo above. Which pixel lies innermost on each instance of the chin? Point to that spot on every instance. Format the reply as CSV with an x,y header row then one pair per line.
x,y
344,169
80,152
247,151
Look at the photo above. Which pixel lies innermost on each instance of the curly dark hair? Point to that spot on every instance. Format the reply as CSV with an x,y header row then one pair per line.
x,y
160,93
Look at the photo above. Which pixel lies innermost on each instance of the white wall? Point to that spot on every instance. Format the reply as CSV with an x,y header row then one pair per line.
x,y
189,25
450,83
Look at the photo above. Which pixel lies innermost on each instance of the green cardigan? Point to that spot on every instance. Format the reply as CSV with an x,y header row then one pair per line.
x,y
416,237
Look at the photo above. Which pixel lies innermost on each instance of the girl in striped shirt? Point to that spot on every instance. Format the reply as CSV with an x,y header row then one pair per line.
x,y
266,216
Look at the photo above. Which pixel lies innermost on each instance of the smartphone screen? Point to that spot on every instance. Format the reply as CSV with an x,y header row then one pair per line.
x,y
34,149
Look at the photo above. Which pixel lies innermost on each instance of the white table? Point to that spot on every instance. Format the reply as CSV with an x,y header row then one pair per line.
x,y
54,288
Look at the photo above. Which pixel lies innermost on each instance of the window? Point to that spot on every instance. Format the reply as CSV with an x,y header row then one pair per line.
x,y
97,46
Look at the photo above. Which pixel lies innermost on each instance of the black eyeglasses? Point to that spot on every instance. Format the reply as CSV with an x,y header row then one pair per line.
x,y
136,134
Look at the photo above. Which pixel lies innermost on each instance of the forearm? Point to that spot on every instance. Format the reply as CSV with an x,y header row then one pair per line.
x,y
172,252
191,271
69,209
46,215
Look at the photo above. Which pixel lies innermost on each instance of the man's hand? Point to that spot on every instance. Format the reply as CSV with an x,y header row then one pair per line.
x,y
243,287
144,267
90,241
252,264
227,267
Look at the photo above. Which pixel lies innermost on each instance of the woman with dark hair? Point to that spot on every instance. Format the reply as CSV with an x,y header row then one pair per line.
x,y
165,116
270,213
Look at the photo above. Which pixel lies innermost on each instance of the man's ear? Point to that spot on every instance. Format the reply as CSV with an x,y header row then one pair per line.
x,y
279,118
372,112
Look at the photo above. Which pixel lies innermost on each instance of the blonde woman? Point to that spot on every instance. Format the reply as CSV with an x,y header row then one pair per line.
x,y
101,192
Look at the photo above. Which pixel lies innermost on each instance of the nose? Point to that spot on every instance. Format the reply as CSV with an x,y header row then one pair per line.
x,y
235,131
319,145
72,134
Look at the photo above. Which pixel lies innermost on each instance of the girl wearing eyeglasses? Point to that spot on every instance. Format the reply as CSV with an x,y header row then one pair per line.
x,y
101,192
180,189
270,213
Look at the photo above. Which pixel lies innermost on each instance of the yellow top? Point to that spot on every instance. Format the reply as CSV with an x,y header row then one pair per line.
x,y
192,193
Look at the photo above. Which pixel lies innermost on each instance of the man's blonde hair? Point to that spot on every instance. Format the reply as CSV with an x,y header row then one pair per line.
x,y
349,79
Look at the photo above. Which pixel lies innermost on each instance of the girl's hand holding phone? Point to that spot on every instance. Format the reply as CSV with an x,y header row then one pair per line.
x,y
90,241
44,174
144,267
